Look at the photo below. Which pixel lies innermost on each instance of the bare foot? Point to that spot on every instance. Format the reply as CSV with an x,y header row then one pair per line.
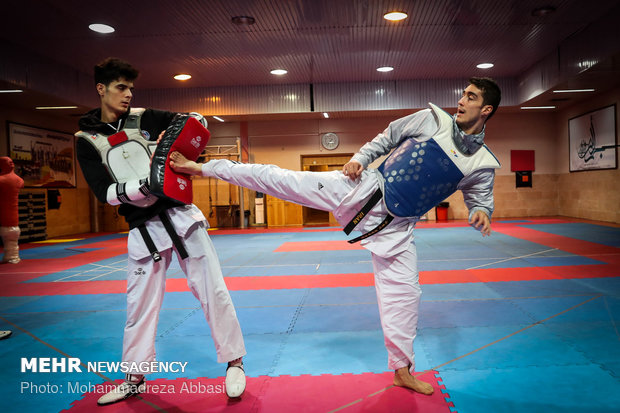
x,y
181,164
403,378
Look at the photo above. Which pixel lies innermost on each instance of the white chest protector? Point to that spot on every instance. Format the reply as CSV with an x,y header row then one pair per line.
x,y
419,175
125,154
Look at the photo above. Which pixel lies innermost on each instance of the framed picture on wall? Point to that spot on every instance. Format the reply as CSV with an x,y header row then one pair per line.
x,y
43,158
592,140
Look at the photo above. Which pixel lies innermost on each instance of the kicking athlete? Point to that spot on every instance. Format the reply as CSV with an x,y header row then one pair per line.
x,y
113,150
434,154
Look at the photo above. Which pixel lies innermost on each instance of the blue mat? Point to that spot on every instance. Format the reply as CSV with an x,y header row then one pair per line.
x,y
540,389
531,347
599,234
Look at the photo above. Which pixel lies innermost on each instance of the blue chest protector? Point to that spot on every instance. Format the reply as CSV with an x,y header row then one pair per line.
x,y
419,175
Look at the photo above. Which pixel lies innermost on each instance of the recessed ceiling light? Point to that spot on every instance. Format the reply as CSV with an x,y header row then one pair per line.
x,y
586,64
537,107
485,65
55,107
243,20
11,91
101,28
572,90
543,11
325,115
395,16
385,69
218,118
182,76
279,72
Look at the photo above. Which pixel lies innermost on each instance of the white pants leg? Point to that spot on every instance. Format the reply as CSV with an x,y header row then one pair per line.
x,y
398,294
10,239
205,280
146,285
319,190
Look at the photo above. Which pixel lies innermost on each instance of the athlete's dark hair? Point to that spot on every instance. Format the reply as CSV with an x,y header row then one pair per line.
x,y
112,69
491,94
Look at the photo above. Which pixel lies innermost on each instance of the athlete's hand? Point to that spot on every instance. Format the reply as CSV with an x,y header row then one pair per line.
x,y
352,169
481,222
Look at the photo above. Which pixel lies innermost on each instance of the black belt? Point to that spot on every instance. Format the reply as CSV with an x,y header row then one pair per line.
x,y
374,199
176,241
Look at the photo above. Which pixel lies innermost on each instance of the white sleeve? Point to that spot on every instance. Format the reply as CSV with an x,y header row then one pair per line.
x,y
134,190
477,189
410,126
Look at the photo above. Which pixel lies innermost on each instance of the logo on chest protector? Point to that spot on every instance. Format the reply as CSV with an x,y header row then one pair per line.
x,y
139,271
182,183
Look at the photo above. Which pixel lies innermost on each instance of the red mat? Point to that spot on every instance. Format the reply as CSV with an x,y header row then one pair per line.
x,y
347,393
588,249
237,231
12,277
13,287
37,267
318,246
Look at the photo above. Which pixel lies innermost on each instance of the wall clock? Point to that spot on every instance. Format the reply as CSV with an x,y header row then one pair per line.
x,y
330,141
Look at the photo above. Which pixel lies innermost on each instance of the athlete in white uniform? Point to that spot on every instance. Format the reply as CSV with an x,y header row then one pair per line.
x,y
345,194
114,156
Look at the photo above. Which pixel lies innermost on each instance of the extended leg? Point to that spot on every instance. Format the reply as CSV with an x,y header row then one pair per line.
x,y
319,190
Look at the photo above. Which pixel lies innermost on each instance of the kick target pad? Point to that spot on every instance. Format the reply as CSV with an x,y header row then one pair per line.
x,y
187,136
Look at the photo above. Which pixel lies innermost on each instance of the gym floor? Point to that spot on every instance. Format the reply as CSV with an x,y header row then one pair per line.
x,y
526,320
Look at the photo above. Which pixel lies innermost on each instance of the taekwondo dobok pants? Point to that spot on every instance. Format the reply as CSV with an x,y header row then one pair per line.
x,y
146,284
396,275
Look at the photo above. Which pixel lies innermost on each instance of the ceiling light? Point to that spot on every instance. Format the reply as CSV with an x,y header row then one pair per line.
x,y
101,28
543,11
485,65
55,107
243,20
11,91
182,76
218,118
537,107
572,90
395,16
385,69
279,72
325,115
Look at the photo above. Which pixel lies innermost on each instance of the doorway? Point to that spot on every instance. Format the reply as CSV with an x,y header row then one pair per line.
x,y
321,163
